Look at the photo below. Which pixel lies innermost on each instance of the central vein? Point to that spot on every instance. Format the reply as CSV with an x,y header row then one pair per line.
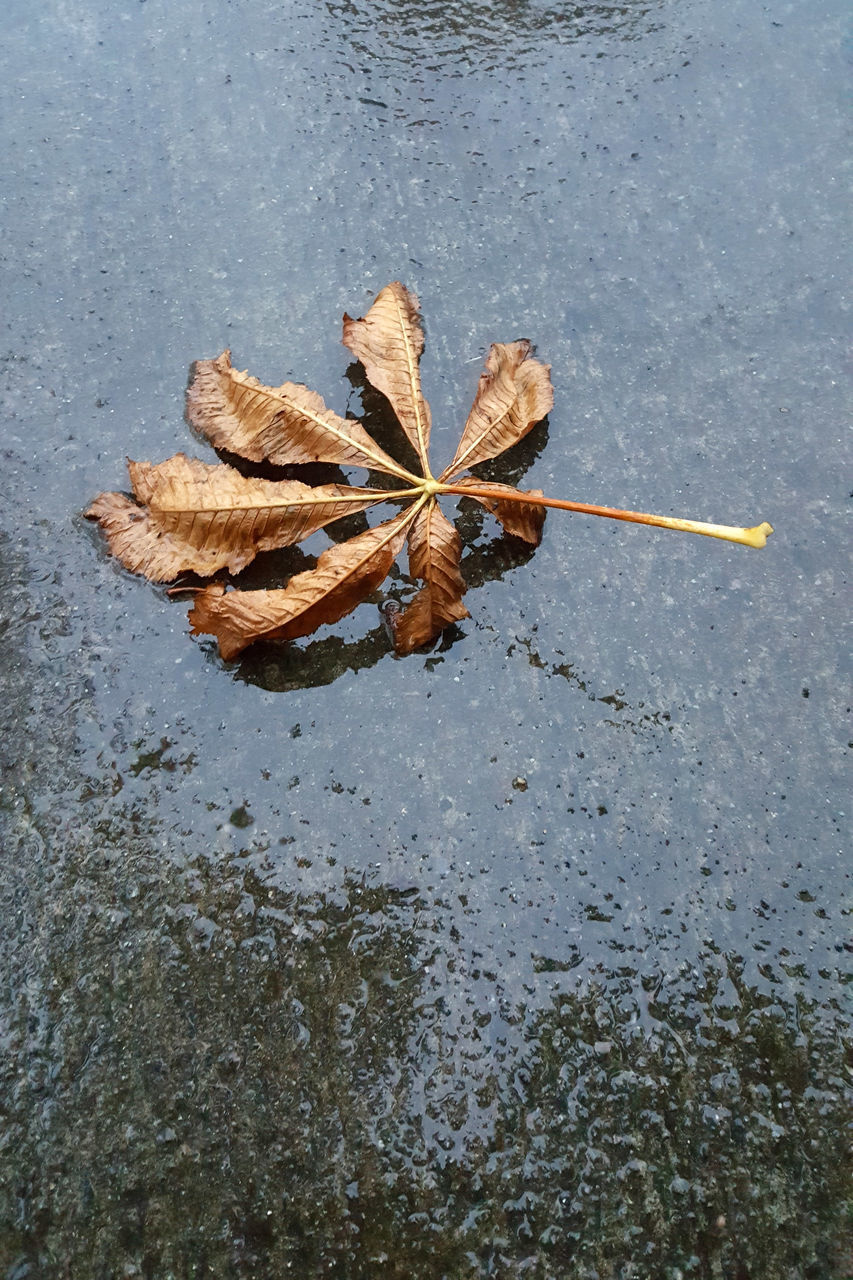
x,y
414,383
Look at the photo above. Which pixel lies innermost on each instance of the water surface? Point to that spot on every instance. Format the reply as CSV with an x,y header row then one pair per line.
x,y
520,957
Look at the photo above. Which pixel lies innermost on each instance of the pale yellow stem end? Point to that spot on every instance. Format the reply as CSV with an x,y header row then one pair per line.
x,y
755,537
759,535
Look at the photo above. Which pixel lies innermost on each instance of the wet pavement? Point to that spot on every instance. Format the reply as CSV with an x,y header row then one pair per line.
x,y
524,956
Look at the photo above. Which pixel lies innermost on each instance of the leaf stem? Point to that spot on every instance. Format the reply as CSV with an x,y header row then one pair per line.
x,y
754,537
392,495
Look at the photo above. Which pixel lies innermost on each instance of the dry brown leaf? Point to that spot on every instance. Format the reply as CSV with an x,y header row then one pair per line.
x,y
388,341
435,550
285,425
522,519
344,575
189,515
200,518
514,394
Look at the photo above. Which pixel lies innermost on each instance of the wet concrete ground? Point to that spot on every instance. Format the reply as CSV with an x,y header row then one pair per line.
x,y
524,956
